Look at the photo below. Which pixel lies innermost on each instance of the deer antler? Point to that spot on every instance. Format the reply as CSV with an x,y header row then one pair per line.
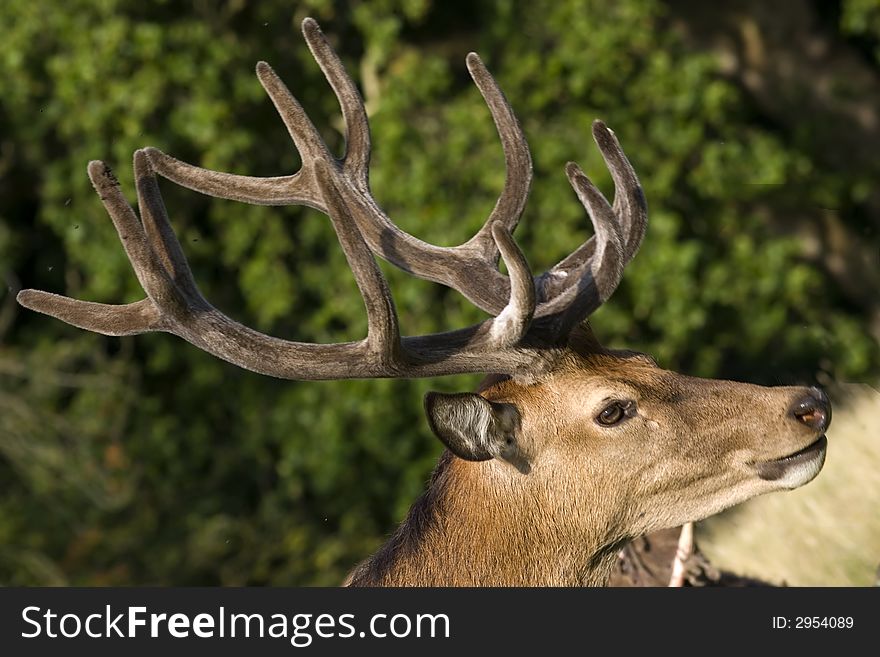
x,y
533,315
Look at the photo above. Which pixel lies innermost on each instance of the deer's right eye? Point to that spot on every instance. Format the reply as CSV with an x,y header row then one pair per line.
x,y
613,414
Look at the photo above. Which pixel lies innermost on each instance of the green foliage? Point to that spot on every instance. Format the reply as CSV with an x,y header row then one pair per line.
x,y
145,461
861,17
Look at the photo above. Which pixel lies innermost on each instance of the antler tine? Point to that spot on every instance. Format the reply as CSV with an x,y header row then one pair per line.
x,y
511,325
150,274
157,227
607,262
589,275
299,126
629,205
104,318
383,334
299,188
129,319
278,190
357,127
517,158
629,199
585,287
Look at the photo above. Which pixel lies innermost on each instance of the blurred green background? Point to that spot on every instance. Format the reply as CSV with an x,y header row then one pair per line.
x,y
755,128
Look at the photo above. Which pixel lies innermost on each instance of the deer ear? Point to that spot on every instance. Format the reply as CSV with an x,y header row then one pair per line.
x,y
476,429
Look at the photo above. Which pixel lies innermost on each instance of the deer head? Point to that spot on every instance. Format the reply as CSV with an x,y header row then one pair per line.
x,y
570,448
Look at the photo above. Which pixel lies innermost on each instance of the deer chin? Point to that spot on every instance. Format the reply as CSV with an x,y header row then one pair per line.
x,y
795,469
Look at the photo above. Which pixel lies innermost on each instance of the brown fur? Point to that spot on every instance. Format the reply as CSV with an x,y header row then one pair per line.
x,y
688,453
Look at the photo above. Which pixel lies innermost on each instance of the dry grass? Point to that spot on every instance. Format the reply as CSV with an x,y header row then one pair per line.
x,y
826,533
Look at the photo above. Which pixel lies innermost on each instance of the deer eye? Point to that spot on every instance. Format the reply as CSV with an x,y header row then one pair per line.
x,y
614,413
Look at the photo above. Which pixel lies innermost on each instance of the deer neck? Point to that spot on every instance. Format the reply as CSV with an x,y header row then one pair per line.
x,y
474,529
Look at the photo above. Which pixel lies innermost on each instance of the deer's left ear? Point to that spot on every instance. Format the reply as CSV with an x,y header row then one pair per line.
x,y
476,429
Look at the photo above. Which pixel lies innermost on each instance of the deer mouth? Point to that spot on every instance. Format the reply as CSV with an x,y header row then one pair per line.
x,y
795,469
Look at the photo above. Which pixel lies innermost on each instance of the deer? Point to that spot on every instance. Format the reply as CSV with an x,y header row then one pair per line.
x,y
568,449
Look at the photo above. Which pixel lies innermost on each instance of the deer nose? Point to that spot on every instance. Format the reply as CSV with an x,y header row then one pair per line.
x,y
813,410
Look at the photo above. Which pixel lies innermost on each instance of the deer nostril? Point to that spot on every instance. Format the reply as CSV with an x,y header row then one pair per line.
x,y
813,410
